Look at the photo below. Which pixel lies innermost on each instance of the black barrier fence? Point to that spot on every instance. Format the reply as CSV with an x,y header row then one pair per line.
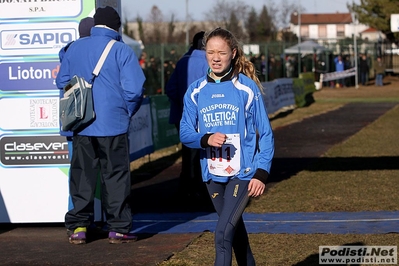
x,y
274,60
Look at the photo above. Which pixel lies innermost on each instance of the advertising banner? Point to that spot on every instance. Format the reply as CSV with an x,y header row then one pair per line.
x,y
140,137
164,134
278,94
34,158
27,76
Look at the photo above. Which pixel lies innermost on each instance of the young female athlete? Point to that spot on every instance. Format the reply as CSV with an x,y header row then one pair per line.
x,y
224,116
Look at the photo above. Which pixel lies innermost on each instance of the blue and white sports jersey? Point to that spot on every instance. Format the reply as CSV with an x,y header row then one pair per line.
x,y
234,107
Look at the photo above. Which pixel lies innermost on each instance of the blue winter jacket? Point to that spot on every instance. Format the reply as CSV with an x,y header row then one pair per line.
x,y
339,65
118,89
188,69
232,107
61,54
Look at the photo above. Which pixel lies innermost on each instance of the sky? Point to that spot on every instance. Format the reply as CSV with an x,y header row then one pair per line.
x,y
197,8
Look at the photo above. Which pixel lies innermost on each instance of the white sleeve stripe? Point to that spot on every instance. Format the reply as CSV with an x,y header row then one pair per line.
x,y
248,90
245,88
197,90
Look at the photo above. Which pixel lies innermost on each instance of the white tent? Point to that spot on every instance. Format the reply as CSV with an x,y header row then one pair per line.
x,y
306,47
135,45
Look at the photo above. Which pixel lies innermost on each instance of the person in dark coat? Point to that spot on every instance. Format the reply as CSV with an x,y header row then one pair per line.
x,y
364,70
192,66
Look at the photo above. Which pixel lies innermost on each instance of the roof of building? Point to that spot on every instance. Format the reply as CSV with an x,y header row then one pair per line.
x,y
370,30
327,18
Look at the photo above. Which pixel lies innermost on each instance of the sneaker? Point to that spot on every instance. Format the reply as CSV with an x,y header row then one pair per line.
x,y
117,238
79,236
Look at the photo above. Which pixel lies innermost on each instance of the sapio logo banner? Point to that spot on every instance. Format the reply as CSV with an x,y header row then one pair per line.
x,y
33,150
22,76
36,38
11,9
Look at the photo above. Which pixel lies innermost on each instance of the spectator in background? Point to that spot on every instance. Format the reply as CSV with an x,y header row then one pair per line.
x,y
84,29
153,73
256,60
363,69
272,68
143,59
189,68
85,26
347,65
289,66
379,68
173,56
168,68
103,145
339,67
263,68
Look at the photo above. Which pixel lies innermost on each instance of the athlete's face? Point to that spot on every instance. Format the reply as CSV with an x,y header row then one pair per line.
x,y
219,55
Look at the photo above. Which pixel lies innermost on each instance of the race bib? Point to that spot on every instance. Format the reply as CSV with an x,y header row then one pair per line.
x,y
226,160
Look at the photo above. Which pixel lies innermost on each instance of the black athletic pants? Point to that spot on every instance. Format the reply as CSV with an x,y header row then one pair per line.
x,y
108,156
230,200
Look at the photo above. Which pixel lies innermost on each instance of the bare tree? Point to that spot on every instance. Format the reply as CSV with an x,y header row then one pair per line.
x,y
286,9
221,12
156,19
171,30
141,29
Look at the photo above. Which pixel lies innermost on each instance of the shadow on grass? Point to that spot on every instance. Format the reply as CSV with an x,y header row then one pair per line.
x,y
313,260
284,168
282,115
155,190
150,169
309,100
163,195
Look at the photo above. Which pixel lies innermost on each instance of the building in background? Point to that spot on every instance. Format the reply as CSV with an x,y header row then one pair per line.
x,y
325,27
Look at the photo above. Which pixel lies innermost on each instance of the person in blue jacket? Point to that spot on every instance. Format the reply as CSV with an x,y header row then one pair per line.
x,y
189,68
224,116
84,29
339,67
103,145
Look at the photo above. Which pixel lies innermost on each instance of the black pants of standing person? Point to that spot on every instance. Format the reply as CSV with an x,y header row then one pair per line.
x,y
190,180
190,176
110,157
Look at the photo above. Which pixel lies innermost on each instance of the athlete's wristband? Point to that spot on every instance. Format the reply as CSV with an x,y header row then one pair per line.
x,y
261,175
204,140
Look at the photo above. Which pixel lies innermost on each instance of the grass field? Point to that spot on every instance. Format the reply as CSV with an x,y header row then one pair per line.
x,y
360,189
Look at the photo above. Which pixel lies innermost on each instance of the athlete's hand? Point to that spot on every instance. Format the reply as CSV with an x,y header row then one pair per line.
x,y
217,139
255,187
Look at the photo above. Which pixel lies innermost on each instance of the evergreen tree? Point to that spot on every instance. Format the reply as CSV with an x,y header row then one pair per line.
x,y
377,14
234,26
265,27
251,25
125,27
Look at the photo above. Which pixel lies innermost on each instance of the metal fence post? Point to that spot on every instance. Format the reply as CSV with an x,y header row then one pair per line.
x,y
299,61
162,68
